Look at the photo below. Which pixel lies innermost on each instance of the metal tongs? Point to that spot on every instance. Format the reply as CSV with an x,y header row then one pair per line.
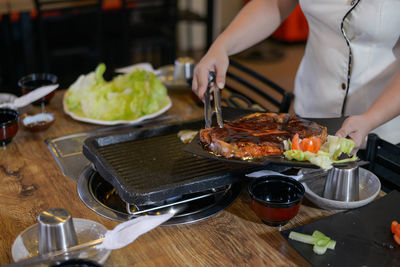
x,y
217,102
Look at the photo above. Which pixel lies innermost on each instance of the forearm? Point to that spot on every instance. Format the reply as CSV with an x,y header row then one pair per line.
x,y
257,20
387,105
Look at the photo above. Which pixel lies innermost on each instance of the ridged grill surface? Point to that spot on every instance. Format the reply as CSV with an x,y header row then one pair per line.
x,y
149,165
157,162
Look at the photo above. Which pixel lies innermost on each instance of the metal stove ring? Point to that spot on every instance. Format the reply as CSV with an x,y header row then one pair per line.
x,y
85,192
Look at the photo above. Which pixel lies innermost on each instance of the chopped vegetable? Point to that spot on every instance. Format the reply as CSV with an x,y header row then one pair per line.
x,y
312,144
320,241
126,97
296,142
322,155
397,239
395,227
187,136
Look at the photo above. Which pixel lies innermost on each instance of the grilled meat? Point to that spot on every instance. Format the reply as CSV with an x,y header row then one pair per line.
x,y
258,135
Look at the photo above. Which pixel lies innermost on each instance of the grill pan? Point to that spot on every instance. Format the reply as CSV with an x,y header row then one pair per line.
x,y
229,114
148,165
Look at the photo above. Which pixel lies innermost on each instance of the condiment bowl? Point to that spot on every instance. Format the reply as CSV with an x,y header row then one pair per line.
x,y
35,80
276,199
8,125
38,122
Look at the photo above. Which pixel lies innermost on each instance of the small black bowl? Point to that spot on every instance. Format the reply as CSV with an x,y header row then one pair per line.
x,y
276,199
35,80
8,125
76,263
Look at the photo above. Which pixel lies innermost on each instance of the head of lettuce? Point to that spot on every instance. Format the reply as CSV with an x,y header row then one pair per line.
x,y
126,97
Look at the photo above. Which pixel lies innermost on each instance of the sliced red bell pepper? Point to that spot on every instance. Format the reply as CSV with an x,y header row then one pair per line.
x,y
396,239
395,227
312,144
295,142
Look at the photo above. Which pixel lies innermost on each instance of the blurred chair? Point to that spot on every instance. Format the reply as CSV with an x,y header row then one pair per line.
x,y
70,30
251,90
149,30
384,161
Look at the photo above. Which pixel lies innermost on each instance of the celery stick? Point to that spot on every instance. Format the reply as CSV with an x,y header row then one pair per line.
x,y
308,239
331,244
318,234
320,241
320,250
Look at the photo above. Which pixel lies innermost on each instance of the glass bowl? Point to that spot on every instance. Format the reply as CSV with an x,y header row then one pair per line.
x,y
276,199
27,244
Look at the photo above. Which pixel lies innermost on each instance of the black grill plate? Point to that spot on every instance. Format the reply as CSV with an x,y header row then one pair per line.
x,y
148,165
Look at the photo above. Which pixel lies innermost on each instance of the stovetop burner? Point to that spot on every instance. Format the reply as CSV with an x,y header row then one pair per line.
x,y
101,197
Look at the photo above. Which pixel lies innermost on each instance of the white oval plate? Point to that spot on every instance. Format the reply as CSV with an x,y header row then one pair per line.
x,y
103,122
26,243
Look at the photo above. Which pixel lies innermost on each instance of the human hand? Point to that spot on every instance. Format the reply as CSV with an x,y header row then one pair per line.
x,y
215,60
357,128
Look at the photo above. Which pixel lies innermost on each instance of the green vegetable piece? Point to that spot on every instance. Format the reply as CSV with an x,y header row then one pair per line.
x,y
308,239
125,97
320,250
318,234
320,241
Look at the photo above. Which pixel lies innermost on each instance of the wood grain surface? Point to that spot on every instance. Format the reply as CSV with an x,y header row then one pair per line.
x,y
31,181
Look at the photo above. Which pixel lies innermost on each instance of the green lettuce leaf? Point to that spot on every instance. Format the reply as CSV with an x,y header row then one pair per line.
x,y
125,97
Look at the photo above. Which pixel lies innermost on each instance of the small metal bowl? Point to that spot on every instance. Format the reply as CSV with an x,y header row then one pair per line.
x,y
276,199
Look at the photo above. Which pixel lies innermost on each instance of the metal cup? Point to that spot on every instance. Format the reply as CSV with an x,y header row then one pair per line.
x,y
183,70
56,230
342,184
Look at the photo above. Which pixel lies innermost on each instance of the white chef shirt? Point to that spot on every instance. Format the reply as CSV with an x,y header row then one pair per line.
x,y
353,50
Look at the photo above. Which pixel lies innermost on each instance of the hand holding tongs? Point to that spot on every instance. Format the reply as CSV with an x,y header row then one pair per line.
x,y
217,102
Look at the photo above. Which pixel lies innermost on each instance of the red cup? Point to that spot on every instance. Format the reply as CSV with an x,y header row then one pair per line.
x,y
276,199
35,80
8,125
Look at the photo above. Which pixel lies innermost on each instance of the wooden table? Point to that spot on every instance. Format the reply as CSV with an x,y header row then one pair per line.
x,y
31,181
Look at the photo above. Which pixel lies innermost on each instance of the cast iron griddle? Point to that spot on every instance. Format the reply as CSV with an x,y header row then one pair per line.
x,y
229,114
148,165
363,236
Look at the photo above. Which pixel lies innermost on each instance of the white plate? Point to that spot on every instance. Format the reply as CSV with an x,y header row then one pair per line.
x,y
368,190
7,98
102,122
26,244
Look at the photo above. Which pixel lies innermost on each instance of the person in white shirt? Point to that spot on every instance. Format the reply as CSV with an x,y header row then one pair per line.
x,y
351,65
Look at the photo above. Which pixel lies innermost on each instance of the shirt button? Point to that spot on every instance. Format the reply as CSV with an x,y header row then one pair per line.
x,y
343,86
353,2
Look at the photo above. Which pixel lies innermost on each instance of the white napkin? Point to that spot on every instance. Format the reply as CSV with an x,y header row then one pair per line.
x,y
125,233
261,173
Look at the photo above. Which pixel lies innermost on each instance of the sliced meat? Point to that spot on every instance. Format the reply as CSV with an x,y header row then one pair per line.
x,y
258,135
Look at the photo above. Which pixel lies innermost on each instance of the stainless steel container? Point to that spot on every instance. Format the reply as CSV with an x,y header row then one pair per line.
x,y
342,184
183,70
56,230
